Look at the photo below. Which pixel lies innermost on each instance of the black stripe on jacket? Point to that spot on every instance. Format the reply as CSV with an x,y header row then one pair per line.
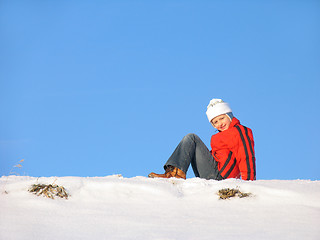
x,y
231,168
246,151
252,152
226,163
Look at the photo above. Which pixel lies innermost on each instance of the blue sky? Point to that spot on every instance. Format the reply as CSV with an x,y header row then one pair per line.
x,y
93,88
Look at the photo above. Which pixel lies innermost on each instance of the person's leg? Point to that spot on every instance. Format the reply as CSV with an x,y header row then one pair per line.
x,y
191,150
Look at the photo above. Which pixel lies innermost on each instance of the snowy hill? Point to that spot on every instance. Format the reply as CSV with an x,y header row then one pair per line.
x,y
114,207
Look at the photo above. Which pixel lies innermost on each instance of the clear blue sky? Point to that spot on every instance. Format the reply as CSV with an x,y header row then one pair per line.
x,y
92,88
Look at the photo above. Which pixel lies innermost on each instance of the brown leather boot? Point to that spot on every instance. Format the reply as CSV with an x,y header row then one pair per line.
x,y
171,171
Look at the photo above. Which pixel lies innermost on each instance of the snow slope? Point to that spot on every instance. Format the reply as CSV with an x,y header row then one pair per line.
x,y
114,207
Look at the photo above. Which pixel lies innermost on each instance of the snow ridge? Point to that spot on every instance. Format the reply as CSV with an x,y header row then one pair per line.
x,y
114,207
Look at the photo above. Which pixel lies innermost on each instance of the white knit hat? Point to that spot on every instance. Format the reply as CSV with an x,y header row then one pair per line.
x,y
217,107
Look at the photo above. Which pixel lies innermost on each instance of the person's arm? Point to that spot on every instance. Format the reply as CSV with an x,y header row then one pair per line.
x,y
246,154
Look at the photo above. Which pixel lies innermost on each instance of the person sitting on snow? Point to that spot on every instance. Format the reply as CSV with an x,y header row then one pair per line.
x,y
232,154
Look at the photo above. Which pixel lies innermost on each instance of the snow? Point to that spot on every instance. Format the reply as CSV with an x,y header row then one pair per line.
x,y
114,207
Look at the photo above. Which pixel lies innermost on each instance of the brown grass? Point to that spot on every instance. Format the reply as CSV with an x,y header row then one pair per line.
x,y
18,165
228,193
49,190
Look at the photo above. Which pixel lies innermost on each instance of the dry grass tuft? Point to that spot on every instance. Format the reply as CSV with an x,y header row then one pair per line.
x,y
18,165
227,193
49,191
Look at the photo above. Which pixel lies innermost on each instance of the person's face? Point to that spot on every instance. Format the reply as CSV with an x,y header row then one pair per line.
x,y
221,122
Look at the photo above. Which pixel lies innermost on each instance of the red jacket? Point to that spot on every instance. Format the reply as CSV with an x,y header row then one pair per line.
x,y
233,149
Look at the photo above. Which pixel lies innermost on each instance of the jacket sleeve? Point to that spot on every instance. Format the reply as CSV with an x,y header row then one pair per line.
x,y
246,154
222,150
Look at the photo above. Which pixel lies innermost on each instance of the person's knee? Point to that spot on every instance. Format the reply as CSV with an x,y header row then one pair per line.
x,y
191,136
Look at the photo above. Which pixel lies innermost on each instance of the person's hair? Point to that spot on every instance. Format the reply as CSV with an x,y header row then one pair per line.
x,y
230,115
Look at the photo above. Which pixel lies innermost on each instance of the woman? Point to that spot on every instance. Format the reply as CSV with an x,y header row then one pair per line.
x,y
232,154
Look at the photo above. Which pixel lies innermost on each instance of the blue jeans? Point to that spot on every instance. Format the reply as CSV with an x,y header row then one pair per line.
x,y
191,150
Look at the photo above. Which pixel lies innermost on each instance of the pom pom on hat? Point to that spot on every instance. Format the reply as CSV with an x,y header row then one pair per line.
x,y
217,107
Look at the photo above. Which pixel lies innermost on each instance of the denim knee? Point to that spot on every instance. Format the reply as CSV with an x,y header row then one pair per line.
x,y
192,136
